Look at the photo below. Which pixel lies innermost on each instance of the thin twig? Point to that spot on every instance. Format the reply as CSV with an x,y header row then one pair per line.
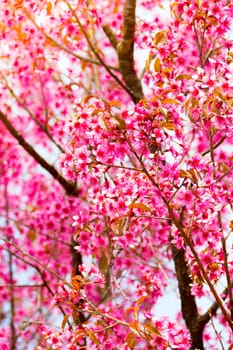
x,y
212,310
226,265
217,334
13,338
54,42
21,285
32,258
214,146
225,174
38,123
45,283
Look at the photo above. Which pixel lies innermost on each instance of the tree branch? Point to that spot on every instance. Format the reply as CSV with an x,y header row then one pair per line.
x,y
69,187
188,302
214,146
212,310
97,55
38,123
111,36
205,276
11,280
41,273
125,51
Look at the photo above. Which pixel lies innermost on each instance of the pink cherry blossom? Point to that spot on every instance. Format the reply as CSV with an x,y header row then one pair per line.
x,y
116,174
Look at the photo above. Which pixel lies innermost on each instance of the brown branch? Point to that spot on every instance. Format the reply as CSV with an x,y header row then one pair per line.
x,y
21,285
125,51
212,310
183,269
13,338
24,106
189,243
194,321
97,55
37,268
214,146
187,240
226,265
69,187
188,302
111,36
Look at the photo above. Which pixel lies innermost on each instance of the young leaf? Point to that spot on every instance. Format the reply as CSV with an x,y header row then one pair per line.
x,y
64,321
141,206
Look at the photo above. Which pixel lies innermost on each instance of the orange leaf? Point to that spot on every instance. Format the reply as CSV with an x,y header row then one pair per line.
x,y
77,282
94,338
194,174
49,8
135,327
141,300
115,103
89,97
131,340
148,62
160,37
139,206
151,328
185,174
183,77
32,235
169,101
157,65
120,123
168,125
65,319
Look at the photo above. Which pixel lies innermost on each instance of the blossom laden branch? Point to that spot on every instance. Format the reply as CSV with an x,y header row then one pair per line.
x,y
189,243
38,123
25,258
187,240
69,187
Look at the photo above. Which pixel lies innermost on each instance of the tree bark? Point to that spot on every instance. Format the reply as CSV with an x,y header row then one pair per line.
x,y
188,302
